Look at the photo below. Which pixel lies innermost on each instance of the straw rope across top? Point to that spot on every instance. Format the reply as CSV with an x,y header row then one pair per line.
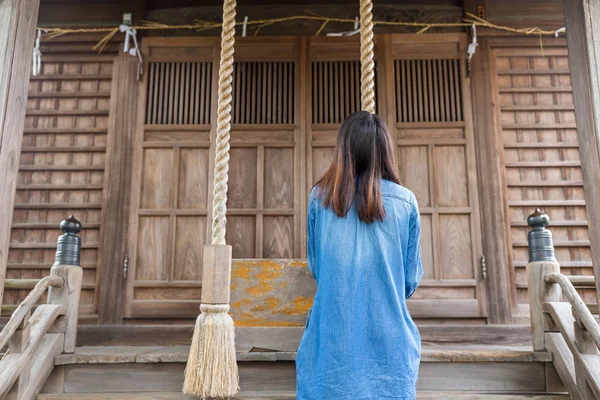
x,y
52,32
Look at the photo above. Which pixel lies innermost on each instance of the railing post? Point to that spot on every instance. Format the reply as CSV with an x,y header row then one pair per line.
x,y
67,266
541,263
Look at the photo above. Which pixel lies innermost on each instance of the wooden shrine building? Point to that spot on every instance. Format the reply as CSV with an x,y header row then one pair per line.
x,y
128,149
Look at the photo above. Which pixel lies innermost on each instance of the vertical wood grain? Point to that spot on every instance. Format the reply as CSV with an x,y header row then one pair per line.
x,y
117,189
17,31
581,18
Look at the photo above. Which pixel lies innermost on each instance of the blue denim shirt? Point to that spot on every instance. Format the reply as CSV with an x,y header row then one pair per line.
x,y
360,341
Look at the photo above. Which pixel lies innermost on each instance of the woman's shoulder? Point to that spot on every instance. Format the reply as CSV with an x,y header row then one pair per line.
x,y
397,191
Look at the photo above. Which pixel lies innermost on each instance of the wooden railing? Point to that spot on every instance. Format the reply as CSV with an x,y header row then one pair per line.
x,y
561,322
35,334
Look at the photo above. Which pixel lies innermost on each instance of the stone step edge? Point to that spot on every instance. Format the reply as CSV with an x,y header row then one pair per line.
x,y
179,354
428,395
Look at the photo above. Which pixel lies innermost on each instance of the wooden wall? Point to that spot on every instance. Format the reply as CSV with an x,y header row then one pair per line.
x,y
540,154
62,162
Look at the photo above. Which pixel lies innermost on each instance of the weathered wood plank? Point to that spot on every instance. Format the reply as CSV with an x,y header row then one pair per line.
x,y
17,30
43,363
116,199
581,21
501,298
563,361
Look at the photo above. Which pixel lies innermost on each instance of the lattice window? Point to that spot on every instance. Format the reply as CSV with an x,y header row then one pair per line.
x,y
263,93
179,93
428,91
335,90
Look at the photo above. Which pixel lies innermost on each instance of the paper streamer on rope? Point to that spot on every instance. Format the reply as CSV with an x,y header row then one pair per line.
x,y
353,32
473,45
131,34
36,66
472,48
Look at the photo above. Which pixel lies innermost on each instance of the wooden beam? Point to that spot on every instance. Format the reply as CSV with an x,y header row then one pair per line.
x,y
17,31
582,18
117,189
489,162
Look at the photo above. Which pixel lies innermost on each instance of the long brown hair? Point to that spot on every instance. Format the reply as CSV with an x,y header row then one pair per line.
x,y
363,156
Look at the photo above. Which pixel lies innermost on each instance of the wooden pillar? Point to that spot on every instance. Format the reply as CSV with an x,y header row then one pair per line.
x,y
18,19
489,163
117,188
582,20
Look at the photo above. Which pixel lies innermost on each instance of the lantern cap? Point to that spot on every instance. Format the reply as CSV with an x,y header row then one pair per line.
x,y
538,220
70,225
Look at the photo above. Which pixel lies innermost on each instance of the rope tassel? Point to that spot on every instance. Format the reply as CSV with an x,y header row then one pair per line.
x,y
212,371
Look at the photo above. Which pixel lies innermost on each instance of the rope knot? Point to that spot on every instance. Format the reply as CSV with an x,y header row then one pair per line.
x,y
214,308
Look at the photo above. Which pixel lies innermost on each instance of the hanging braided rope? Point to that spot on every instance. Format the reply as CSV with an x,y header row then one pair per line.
x,y
211,371
367,65
223,123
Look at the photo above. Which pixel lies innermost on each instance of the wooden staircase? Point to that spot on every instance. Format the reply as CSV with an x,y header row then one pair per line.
x,y
156,372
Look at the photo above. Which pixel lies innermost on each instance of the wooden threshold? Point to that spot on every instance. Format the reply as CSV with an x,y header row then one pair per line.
x,y
167,335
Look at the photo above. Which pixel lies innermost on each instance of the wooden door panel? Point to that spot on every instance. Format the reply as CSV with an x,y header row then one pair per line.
x,y
414,172
153,240
435,150
456,252
157,179
278,237
279,178
427,247
241,233
451,176
242,178
190,237
193,179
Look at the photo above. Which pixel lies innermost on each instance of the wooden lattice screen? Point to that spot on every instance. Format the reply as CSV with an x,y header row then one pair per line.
x,y
179,93
428,90
335,90
263,93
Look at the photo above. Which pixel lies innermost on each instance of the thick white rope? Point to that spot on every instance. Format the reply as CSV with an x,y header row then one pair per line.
x,y
223,123
367,65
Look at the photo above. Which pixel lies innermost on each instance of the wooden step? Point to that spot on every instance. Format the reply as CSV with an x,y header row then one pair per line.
x,y
179,354
159,369
291,395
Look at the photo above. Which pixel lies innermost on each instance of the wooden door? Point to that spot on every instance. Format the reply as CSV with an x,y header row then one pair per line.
x,y
428,107
423,95
173,166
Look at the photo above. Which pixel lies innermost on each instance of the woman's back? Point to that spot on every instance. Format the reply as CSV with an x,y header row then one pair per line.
x,y
360,342
363,249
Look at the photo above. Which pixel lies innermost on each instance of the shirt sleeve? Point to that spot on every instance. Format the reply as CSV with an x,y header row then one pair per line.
x,y
413,267
310,242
